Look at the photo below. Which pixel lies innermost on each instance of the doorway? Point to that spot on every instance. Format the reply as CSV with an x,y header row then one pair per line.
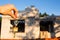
x,y
46,25
21,25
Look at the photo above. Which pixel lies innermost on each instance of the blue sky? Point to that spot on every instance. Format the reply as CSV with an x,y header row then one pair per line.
x,y
49,6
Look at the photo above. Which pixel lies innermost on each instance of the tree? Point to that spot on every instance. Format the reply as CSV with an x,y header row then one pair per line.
x,y
52,14
42,15
45,14
0,19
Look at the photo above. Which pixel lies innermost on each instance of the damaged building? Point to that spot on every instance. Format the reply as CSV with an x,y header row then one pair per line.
x,y
29,25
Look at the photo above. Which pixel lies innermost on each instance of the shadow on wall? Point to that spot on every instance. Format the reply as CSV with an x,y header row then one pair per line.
x,y
0,29
0,25
57,30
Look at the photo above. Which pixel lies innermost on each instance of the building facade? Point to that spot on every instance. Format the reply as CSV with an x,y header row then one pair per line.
x,y
29,25
26,26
